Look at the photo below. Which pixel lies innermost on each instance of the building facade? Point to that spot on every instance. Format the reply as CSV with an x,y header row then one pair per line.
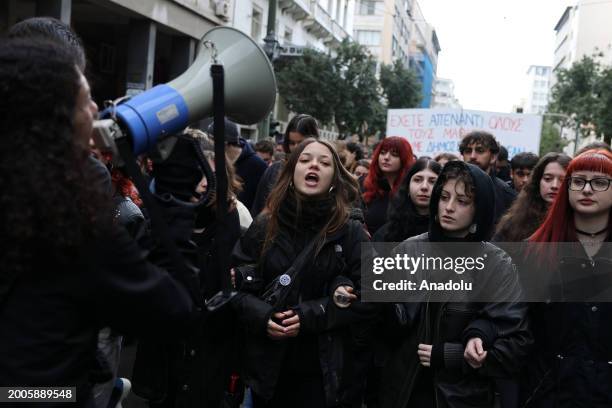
x,y
583,30
318,24
384,27
131,45
134,45
538,88
444,94
424,49
395,30
322,24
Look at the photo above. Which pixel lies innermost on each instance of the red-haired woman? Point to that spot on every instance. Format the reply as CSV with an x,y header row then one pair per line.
x,y
572,363
390,161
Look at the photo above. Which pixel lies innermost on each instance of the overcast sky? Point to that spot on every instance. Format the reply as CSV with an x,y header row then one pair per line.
x,y
488,45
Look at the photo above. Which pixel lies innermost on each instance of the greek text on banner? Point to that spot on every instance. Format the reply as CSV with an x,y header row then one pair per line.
x,y
434,131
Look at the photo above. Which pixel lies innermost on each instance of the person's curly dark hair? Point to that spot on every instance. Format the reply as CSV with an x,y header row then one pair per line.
x,y
52,29
48,200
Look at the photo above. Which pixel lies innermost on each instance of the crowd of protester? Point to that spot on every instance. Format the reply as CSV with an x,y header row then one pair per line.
x,y
81,268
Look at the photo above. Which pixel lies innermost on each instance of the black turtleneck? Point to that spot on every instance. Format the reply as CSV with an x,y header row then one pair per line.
x,y
301,215
411,226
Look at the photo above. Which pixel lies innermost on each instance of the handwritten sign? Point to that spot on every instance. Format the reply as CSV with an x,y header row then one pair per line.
x,y
434,131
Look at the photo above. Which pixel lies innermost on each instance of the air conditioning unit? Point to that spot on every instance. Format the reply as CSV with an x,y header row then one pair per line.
x,y
222,9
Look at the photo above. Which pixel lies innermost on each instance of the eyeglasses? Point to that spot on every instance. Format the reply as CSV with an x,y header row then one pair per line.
x,y
597,184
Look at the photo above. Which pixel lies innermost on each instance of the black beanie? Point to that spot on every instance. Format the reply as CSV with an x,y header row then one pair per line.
x,y
180,173
231,131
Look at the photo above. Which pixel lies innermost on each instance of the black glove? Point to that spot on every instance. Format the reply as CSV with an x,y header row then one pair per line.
x,y
180,173
180,218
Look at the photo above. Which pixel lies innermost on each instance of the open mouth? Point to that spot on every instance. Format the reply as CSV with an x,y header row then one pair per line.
x,y
312,179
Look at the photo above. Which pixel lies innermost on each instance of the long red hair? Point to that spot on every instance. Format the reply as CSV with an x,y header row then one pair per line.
x,y
558,226
394,144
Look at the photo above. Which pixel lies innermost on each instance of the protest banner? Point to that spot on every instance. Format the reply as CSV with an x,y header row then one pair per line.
x,y
434,131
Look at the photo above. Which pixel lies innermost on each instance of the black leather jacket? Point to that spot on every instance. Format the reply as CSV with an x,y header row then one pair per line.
x,y
448,327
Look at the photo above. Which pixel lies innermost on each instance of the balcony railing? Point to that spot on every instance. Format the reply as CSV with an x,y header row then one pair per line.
x,y
297,9
339,32
319,22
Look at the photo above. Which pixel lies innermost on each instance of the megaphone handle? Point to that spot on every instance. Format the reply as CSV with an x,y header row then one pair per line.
x,y
160,226
223,250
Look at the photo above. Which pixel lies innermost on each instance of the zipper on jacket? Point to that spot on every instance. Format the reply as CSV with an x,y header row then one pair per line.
x,y
410,384
433,340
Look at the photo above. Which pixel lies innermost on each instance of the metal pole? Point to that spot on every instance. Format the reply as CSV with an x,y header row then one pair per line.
x,y
567,117
577,136
271,50
271,42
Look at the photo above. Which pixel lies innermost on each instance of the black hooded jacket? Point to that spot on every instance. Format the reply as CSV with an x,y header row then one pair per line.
x,y
504,197
486,211
448,326
250,168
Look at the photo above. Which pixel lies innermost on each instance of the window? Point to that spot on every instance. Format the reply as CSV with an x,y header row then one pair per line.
x,y
367,37
288,37
366,7
256,24
394,47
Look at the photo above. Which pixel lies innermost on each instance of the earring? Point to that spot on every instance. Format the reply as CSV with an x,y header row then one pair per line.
x,y
473,228
331,189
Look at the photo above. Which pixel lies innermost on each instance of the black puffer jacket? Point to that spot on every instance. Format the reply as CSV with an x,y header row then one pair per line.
x,y
323,325
448,326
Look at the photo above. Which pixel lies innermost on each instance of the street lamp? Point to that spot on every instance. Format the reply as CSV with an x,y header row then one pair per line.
x,y
272,49
271,46
568,118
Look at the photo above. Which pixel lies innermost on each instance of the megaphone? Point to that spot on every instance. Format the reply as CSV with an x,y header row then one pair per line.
x,y
250,93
